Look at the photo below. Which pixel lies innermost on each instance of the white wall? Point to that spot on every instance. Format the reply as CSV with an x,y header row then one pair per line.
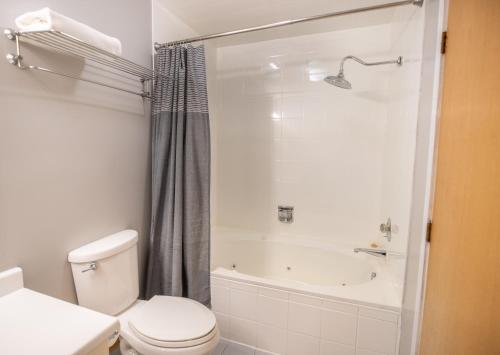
x,y
74,157
401,130
166,26
285,137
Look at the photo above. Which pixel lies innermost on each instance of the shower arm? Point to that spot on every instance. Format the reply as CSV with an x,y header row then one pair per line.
x,y
398,61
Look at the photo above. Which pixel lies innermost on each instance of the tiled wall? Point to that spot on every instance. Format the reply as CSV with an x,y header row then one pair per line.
x,y
294,324
284,137
402,112
343,158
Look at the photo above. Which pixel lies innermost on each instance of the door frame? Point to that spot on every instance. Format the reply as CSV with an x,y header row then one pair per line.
x,y
424,175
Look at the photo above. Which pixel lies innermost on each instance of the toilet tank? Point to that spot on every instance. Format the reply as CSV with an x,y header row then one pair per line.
x,y
105,272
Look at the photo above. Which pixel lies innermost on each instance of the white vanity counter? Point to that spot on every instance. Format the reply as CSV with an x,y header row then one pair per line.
x,y
34,323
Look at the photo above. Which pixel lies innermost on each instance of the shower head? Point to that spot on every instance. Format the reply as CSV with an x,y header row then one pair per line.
x,y
341,82
338,81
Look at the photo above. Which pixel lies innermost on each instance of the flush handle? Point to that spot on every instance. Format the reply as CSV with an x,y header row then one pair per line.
x,y
92,267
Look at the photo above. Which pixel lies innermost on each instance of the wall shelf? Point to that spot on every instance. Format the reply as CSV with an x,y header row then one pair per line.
x,y
70,45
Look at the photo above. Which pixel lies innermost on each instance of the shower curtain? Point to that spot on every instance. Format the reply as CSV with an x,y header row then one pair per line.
x,y
179,248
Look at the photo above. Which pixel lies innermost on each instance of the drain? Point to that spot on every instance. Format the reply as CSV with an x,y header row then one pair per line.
x,y
344,284
289,268
233,266
373,275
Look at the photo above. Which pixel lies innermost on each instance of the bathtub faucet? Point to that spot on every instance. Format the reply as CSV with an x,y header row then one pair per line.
x,y
375,252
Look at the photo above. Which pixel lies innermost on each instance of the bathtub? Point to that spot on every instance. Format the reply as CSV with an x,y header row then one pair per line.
x,y
283,295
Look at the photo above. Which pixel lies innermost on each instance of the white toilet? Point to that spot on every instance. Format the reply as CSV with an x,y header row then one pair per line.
x,y
106,280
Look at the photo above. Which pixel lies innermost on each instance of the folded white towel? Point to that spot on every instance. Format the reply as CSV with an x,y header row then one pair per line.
x,y
46,20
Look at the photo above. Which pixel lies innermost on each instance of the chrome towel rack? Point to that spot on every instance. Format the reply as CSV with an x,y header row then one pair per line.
x,y
67,44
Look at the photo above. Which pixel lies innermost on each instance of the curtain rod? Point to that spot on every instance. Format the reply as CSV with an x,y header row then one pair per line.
x,y
418,3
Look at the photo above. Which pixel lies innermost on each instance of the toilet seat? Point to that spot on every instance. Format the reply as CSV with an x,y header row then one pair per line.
x,y
173,322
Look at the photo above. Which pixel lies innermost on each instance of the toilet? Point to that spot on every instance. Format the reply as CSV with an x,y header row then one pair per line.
x,y
106,279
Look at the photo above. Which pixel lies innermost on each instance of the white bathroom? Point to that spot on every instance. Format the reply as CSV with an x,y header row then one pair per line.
x,y
239,178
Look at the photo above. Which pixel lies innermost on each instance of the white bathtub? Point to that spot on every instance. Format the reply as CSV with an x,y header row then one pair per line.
x,y
280,295
330,272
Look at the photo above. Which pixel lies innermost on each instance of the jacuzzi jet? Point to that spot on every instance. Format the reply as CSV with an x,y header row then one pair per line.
x,y
233,266
289,268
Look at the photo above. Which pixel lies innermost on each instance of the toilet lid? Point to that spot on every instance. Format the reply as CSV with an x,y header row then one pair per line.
x,y
173,322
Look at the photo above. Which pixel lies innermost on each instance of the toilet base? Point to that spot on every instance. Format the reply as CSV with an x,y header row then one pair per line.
x,y
203,349
126,349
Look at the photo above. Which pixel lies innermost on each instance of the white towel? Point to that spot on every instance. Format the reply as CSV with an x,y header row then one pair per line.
x,y
46,20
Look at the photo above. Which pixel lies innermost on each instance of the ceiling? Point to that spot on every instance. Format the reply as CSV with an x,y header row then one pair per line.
x,y
212,16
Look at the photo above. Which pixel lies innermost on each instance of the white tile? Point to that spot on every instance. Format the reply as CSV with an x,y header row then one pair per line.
x,y
293,128
340,306
243,304
313,107
216,281
243,331
309,300
304,319
367,352
220,299
272,311
379,314
242,286
339,327
351,129
331,348
292,106
377,335
223,324
274,293
300,344
293,77
271,339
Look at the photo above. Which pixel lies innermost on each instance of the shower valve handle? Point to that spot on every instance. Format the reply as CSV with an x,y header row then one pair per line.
x,y
386,228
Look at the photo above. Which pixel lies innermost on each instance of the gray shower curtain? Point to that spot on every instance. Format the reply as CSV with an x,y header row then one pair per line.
x,y
179,248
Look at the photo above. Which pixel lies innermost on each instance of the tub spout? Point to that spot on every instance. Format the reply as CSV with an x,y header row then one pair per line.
x,y
375,252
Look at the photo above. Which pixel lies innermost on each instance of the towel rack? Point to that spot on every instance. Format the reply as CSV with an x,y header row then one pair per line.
x,y
67,44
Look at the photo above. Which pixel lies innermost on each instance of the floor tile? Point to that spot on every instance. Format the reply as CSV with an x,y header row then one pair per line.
x,y
220,348
237,349
261,352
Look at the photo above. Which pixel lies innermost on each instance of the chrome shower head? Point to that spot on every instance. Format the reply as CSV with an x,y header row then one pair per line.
x,y
338,81
341,82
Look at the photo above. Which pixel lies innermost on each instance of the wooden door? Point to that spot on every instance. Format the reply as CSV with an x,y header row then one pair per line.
x,y
462,301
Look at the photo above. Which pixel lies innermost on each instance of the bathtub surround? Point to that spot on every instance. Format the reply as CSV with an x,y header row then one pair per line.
x,y
179,250
341,158
290,323
74,157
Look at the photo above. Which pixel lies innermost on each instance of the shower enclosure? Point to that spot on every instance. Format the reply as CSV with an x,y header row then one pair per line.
x,y
304,172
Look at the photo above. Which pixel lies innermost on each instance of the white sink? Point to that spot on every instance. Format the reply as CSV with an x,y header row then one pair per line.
x,y
34,323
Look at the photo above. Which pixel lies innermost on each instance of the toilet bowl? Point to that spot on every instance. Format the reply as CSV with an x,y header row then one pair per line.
x,y
106,280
